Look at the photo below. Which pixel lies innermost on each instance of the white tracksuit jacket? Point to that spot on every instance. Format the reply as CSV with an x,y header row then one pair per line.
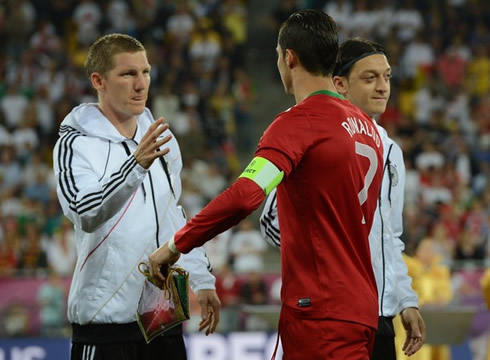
x,y
121,213
394,285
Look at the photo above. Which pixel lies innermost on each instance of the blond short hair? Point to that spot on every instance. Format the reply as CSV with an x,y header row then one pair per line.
x,y
100,58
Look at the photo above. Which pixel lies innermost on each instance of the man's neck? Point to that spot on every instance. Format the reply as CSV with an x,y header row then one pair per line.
x,y
305,83
126,126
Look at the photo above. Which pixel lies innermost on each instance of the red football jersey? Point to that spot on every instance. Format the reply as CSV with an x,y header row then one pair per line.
x,y
332,157
331,154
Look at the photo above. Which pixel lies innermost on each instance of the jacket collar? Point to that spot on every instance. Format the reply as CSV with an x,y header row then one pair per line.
x,y
89,120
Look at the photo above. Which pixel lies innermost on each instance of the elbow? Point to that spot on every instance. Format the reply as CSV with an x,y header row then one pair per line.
x,y
246,206
90,220
89,225
249,198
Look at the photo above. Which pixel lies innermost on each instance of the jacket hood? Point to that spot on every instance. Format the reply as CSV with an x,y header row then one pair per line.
x,y
89,120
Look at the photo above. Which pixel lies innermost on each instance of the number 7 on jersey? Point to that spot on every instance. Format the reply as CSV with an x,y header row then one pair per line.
x,y
370,153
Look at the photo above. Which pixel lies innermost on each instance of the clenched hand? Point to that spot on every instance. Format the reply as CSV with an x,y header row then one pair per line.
x,y
161,257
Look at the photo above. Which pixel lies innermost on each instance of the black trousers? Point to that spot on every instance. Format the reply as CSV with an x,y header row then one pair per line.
x,y
161,348
125,342
384,342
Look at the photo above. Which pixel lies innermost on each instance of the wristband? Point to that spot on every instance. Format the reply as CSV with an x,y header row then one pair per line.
x,y
172,247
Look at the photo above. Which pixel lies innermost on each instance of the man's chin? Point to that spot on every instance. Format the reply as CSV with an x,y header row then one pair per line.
x,y
138,110
378,110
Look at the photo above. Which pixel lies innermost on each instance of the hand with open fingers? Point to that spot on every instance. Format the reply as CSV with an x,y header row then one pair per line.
x,y
210,310
159,259
415,329
150,145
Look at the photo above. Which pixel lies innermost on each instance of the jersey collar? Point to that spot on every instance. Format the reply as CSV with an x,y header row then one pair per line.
x,y
327,92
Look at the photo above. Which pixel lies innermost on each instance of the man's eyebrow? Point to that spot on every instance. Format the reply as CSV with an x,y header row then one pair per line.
x,y
373,71
134,69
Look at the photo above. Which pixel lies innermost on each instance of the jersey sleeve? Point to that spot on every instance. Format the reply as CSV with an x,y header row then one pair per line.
x,y
284,143
225,211
286,140
406,296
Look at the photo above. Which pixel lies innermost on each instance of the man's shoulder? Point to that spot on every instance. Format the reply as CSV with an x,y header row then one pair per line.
x,y
72,139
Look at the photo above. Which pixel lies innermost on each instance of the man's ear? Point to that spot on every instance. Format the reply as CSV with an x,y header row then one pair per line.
x,y
291,58
340,83
97,81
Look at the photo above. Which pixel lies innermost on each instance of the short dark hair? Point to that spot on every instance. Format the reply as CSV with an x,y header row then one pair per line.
x,y
100,58
312,35
353,50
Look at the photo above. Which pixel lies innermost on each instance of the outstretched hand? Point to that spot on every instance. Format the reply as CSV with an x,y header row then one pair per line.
x,y
160,258
149,147
415,329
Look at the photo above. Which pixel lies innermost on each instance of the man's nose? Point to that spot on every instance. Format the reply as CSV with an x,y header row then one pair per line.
x,y
382,85
140,82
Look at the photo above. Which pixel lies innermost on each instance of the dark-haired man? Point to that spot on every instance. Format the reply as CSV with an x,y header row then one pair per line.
x,y
328,177
363,75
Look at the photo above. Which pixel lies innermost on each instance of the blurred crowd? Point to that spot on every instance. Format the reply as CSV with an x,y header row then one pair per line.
x,y
196,52
439,113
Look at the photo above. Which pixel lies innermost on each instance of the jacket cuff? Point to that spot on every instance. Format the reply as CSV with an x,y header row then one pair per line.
x,y
204,285
408,303
141,170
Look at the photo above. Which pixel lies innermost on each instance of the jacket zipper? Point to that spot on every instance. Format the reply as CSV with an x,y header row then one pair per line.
x,y
128,152
167,174
155,208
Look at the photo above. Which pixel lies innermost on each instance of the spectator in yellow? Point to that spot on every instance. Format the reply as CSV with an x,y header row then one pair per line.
x,y
485,286
478,73
432,283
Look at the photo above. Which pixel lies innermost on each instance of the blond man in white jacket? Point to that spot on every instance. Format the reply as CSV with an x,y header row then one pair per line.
x,y
118,181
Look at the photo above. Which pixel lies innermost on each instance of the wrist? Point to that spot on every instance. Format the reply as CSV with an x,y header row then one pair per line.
x,y
409,307
172,247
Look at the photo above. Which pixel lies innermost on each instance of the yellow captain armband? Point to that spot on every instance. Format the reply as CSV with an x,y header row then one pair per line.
x,y
263,173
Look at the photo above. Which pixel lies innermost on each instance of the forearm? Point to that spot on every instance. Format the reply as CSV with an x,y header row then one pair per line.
x,y
96,202
225,211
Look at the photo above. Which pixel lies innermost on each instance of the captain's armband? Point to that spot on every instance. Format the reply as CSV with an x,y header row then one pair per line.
x,y
263,173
